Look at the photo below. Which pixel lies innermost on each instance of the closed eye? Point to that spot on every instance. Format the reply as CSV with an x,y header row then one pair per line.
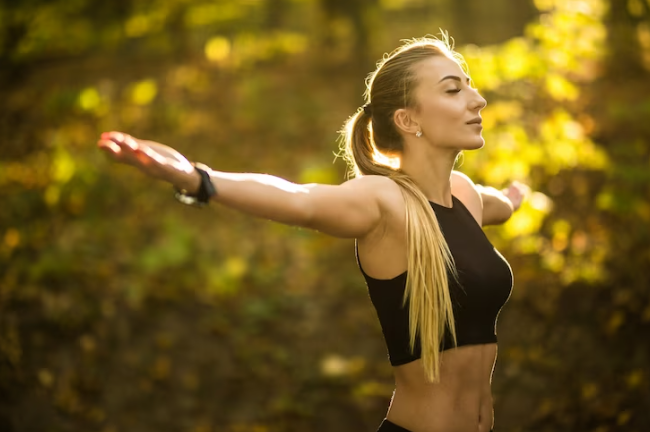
x,y
453,90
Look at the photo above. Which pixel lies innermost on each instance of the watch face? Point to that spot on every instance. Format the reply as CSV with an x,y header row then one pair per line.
x,y
188,200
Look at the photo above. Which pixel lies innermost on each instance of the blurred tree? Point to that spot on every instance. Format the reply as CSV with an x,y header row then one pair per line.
x,y
120,310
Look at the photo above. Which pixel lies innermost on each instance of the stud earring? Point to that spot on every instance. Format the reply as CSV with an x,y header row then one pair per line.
x,y
418,134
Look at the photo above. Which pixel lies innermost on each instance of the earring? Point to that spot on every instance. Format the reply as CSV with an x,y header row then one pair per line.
x,y
418,134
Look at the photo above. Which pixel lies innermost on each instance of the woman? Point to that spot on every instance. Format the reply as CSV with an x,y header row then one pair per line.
x,y
437,297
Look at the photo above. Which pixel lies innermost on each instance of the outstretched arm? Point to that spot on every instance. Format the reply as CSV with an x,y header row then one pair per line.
x,y
494,206
499,205
497,208
350,210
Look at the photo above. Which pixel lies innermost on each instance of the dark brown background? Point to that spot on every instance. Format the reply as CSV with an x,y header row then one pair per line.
x,y
121,310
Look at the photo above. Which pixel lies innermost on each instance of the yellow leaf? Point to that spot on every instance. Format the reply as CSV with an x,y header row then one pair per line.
x,y
63,166
12,238
561,89
161,368
334,365
236,267
624,417
634,378
144,92
589,391
51,195
615,321
89,99
527,220
137,25
217,49
45,377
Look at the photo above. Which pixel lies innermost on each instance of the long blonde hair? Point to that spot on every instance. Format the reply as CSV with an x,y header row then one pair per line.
x,y
370,134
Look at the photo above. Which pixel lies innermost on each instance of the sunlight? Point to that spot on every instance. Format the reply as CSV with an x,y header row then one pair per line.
x,y
392,162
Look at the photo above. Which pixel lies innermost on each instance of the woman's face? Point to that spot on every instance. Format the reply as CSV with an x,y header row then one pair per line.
x,y
447,106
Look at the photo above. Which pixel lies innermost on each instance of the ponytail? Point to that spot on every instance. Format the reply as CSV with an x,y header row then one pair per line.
x,y
429,258
359,150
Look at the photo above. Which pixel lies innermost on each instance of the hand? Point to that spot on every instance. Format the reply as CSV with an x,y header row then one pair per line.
x,y
152,158
516,193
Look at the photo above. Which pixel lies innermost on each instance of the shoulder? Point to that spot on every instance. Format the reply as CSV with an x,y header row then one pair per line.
x,y
383,191
369,181
463,188
381,187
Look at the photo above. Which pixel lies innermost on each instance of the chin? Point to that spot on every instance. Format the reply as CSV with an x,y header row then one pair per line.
x,y
475,144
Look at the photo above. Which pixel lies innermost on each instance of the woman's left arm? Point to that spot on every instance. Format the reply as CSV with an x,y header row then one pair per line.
x,y
488,205
498,205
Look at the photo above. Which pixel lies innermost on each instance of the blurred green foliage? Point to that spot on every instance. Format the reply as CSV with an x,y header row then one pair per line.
x,y
123,311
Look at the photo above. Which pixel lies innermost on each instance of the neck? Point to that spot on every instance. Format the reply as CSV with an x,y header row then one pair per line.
x,y
430,168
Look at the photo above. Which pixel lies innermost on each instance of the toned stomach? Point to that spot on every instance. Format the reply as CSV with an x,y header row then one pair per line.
x,y
460,402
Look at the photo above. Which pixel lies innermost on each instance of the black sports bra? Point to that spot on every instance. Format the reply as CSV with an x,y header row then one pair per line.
x,y
485,282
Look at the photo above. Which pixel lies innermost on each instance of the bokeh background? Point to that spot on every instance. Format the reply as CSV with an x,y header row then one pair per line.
x,y
122,310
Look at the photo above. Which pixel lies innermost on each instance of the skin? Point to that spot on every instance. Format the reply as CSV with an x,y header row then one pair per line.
x,y
462,400
371,209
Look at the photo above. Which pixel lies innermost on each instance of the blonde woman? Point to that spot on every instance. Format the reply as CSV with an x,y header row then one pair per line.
x,y
435,280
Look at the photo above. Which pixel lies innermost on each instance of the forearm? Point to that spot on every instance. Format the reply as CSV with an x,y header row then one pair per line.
x,y
497,208
259,195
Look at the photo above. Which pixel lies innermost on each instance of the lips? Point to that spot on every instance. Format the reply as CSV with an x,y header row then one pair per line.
x,y
476,120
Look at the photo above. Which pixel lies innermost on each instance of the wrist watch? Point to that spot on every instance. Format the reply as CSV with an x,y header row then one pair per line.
x,y
206,188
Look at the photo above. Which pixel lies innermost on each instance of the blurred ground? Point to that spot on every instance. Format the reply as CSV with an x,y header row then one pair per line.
x,y
121,310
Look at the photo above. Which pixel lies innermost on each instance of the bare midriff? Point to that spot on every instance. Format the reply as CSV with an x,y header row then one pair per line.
x,y
460,402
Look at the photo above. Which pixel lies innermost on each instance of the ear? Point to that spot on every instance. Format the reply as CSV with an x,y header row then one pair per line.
x,y
404,121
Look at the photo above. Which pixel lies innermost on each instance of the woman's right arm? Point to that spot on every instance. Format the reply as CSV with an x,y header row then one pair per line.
x,y
350,210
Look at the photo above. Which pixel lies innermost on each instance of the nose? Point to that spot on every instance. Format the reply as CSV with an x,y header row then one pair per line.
x,y
478,102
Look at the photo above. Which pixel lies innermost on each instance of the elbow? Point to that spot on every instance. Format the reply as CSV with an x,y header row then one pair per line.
x,y
497,213
504,217
504,211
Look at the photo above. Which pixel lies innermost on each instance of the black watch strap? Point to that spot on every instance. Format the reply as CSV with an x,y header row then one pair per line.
x,y
206,188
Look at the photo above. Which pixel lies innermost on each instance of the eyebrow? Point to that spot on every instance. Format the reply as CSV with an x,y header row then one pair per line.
x,y
454,77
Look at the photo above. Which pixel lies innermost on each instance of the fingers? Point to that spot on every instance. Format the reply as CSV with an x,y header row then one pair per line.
x,y
514,193
122,147
108,147
125,149
123,140
523,188
518,193
517,189
116,137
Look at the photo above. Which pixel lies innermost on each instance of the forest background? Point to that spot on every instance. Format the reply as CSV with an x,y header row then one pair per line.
x,y
122,310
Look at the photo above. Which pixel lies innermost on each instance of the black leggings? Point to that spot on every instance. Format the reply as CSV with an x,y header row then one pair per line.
x,y
389,426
